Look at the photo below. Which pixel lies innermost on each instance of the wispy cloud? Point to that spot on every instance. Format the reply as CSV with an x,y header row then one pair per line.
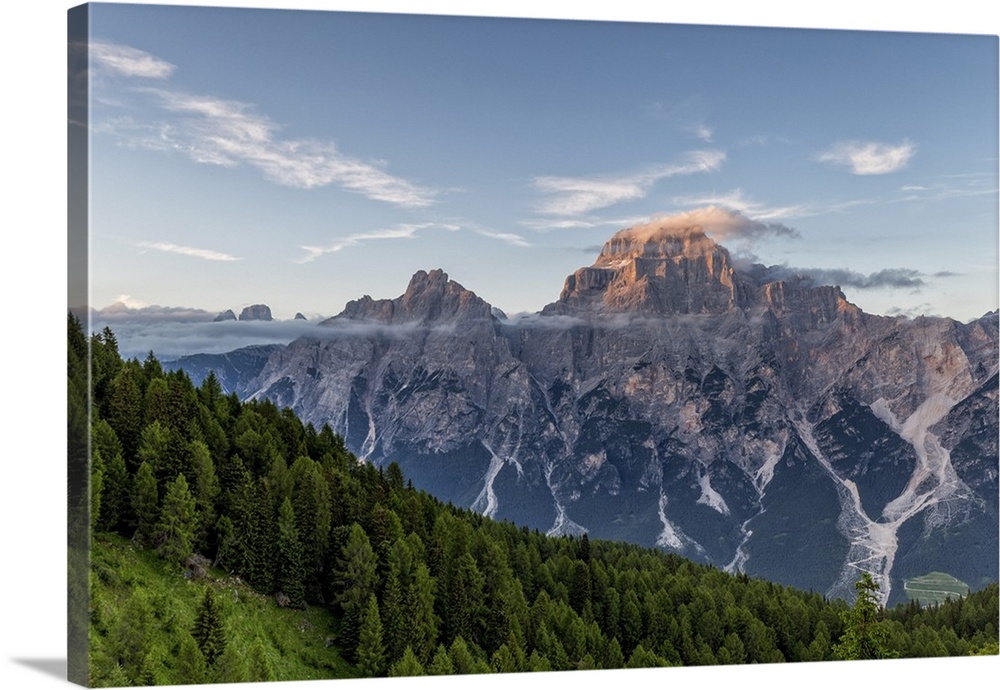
x,y
508,237
703,132
736,200
399,232
207,254
546,224
216,131
128,61
573,196
893,278
947,187
869,157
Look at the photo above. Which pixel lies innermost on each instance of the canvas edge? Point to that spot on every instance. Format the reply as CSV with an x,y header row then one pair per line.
x,y
78,280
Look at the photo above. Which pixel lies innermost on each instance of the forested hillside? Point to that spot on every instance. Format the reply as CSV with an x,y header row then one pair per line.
x,y
233,542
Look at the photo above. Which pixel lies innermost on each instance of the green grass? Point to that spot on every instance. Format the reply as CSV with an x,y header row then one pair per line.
x,y
934,588
294,640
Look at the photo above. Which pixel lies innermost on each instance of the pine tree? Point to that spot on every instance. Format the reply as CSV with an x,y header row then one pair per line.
x,y
176,528
441,663
96,486
407,665
291,573
371,651
311,500
260,665
461,657
865,636
124,410
205,489
208,629
129,642
145,504
228,668
355,580
190,663
421,621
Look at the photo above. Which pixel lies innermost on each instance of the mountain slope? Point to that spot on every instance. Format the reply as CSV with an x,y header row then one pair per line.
x,y
671,398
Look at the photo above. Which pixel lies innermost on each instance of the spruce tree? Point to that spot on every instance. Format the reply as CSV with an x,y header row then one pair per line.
x,y
208,629
145,504
204,488
290,577
129,641
96,486
407,665
355,580
176,528
371,651
420,619
441,663
865,636
260,664
190,663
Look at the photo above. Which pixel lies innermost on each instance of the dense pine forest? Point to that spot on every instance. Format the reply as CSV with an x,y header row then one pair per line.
x,y
231,542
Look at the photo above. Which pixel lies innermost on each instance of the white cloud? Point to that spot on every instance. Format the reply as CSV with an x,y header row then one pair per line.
x,y
703,132
869,157
406,231
129,302
721,224
207,254
508,237
736,200
571,196
229,133
128,61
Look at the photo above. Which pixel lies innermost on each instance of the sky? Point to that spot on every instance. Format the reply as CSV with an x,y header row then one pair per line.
x,y
302,159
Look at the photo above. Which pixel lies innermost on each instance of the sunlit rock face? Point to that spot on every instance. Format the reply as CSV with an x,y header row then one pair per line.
x,y
671,399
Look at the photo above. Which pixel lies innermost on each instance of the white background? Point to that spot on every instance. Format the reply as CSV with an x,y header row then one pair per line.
x,y
32,346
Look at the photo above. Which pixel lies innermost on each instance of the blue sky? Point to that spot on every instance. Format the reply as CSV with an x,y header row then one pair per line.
x,y
303,159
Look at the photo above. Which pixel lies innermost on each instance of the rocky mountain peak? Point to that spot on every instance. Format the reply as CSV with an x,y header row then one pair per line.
x,y
430,297
256,312
660,268
660,242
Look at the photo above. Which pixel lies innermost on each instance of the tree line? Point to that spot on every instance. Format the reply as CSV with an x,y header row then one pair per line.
x,y
417,586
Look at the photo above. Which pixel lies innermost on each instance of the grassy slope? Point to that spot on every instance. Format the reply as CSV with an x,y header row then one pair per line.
x,y
294,640
934,588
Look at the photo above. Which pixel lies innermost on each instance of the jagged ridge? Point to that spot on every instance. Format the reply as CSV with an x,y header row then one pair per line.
x,y
668,398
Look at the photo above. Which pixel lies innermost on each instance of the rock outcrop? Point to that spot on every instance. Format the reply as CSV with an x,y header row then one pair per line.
x,y
669,398
256,312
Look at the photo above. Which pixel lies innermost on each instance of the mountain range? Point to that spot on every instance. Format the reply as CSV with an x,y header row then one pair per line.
x,y
669,397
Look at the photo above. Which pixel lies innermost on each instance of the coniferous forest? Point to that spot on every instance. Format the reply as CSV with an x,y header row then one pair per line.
x,y
233,543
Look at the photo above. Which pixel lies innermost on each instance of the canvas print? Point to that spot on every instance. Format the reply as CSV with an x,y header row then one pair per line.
x,y
412,345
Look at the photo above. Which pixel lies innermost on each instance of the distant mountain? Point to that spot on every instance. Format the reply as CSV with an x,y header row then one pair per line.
x,y
235,370
256,312
227,315
669,398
